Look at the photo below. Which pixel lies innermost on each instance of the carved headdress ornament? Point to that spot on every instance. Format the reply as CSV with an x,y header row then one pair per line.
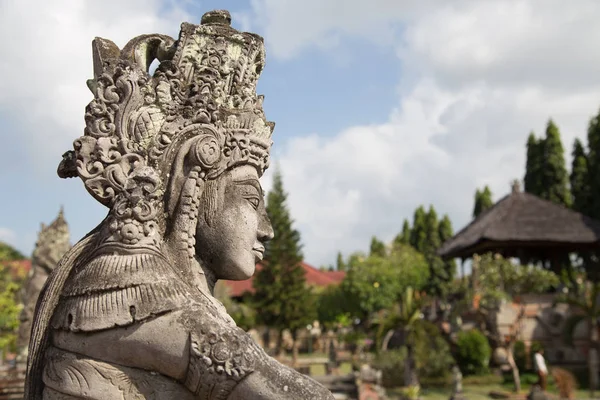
x,y
198,114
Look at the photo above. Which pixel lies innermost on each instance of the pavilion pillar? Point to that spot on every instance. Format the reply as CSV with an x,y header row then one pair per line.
x,y
474,273
555,263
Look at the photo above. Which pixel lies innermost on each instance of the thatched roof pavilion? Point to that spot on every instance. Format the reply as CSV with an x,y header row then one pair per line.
x,y
527,227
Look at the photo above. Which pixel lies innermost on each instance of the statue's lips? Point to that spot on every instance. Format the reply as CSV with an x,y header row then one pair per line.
x,y
258,252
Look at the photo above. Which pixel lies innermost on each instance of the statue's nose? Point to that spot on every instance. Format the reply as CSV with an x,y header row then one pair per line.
x,y
265,229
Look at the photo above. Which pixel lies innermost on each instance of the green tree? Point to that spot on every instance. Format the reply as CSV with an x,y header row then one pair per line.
x,y
579,179
483,201
534,165
500,279
591,260
9,315
426,236
377,247
406,315
593,138
418,234
474,351
340,264
546,173
404,236
332,307
10,306
477,203
8,253
555,178
374,283
446,232
281,293
438,275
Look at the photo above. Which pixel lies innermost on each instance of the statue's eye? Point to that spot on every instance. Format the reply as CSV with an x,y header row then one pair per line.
x,y
255,201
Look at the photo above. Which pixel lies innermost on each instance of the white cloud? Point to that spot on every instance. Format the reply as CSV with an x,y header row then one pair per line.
x,y
477,77
47,60
291,26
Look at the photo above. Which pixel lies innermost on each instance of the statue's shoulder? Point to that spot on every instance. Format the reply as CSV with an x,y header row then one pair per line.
x,y
114,289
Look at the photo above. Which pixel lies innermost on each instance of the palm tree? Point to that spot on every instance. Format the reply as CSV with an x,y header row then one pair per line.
x,y
406,316
585,299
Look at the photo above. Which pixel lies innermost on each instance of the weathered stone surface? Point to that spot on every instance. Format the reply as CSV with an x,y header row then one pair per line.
x,y
52,244
176,157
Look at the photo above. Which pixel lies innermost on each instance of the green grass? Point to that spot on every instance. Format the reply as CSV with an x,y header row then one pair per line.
x,y
319,369
479,392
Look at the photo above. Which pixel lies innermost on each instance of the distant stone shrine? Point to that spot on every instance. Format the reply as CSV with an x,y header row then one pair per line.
x,y
52,244
175,157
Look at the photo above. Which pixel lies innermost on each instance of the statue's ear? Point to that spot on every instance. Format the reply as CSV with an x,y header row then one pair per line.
x,y
179,174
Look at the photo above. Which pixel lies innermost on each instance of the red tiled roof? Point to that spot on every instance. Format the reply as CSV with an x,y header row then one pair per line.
x,y
336,276
313,277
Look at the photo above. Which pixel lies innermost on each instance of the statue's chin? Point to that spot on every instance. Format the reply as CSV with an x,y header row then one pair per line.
x,y
240,270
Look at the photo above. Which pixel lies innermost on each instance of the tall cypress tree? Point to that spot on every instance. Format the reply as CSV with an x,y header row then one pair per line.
x,y
437,273
340,265
426,236
446,232
404,236
534,165
281,293
486,198
593,136
477,203
377,247
483,201
555,179
579,179
418,234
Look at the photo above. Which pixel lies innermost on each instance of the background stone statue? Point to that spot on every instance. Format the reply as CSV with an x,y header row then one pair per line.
x,y
52,244
175,157
457,390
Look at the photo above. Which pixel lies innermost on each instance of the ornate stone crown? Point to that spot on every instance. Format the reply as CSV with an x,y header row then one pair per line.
x,y
198,112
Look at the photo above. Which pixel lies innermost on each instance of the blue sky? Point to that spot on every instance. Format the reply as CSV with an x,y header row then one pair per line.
x,y
379,107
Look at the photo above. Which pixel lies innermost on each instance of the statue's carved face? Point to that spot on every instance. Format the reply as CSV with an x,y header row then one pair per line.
x,y
233,242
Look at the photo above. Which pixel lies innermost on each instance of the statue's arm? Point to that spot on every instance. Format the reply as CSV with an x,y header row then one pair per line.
x,y
213,359
224,359
274,381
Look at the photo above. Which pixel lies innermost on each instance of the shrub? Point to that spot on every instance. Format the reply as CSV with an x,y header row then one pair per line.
x,y
410,393
520,355
473,352
391,365
432,352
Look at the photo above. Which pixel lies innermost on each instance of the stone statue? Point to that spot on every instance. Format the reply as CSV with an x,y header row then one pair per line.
x,y
457,390
176,157
52,244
